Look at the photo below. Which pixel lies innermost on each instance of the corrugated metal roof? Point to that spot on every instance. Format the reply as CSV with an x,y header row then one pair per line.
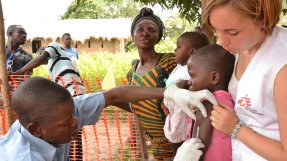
x,y
80,29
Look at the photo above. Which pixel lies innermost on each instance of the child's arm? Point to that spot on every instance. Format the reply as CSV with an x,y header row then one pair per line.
x,y
205,127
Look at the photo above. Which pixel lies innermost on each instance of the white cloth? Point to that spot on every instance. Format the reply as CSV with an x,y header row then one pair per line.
x,y
233,83
254,99
179,73
177,125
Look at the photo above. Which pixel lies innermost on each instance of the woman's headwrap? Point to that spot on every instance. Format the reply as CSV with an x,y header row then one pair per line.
x,y
146,15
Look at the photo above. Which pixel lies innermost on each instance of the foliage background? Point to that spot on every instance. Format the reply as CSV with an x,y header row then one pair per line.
x,y
95,66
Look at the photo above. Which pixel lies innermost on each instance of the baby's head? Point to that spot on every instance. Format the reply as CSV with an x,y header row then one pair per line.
x,y
210,67
187,43
45,109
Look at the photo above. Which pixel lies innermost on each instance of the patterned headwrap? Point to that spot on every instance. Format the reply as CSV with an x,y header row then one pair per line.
x,y
146,15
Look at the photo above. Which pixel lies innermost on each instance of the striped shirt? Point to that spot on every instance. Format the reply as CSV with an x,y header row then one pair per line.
x,y
62,70
149,112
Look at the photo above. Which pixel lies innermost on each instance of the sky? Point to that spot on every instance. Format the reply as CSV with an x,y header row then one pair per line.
x,y
19,10
31,13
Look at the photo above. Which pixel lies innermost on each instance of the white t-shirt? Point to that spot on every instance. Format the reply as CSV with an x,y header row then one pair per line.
x,y
179,73
177,124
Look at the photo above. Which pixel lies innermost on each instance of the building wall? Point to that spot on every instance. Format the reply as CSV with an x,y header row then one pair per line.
x,y
91,46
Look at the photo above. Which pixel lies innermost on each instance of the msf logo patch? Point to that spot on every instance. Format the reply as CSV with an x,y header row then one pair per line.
x,y
245,102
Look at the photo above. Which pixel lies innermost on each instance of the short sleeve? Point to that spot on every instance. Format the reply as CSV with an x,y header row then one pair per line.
x,y
88,108
54,49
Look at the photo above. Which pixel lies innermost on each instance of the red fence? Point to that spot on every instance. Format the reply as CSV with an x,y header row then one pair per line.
x,y
116,136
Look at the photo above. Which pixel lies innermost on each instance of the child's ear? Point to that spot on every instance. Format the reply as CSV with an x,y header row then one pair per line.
x,y
34,129
191,51
215,77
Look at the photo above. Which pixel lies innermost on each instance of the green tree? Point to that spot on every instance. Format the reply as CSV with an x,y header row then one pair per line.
x,y
97,9
175,26
189,9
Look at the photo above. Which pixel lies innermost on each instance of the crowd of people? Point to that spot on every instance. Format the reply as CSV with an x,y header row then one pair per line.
x,y
211,102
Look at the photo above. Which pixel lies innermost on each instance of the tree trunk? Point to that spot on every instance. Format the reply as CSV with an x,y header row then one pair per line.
x,y
3,73
205,30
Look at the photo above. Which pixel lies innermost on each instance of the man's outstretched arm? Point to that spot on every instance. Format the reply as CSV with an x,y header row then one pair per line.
x,y
34,63
182,97
124,94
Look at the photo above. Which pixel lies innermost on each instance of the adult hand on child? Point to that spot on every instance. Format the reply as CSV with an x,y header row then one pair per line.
x,y
186,99
223,118
189,150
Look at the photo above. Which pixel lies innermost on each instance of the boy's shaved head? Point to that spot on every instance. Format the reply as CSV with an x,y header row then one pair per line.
x,y
37,97
215,58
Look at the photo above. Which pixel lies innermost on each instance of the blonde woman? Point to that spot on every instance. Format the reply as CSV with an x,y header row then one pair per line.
x,y
247,29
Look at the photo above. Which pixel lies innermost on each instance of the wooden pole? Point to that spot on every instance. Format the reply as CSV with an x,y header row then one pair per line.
x,y
3,73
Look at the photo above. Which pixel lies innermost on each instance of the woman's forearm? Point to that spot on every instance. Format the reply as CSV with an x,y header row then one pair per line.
x,y
267,148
